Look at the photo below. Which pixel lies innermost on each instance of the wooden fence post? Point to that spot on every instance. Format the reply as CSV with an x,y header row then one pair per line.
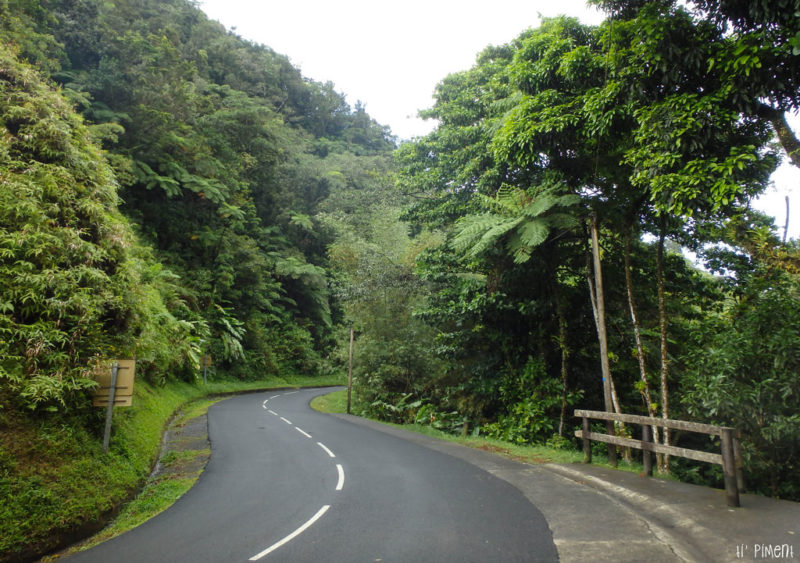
x,y
647,455
612,449
729,467
587,444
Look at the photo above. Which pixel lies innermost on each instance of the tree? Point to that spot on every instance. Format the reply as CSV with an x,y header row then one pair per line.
x,y
524,220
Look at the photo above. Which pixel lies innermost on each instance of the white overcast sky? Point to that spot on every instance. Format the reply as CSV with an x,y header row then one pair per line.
x,y
391,54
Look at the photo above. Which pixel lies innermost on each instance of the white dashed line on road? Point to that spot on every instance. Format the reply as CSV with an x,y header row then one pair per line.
x,y
327,451
340,484
293,535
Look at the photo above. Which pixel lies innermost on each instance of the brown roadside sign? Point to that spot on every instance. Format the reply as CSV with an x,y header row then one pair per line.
x,y
123,394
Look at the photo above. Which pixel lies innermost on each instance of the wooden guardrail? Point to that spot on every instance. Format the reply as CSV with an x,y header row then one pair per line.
x,y
730,457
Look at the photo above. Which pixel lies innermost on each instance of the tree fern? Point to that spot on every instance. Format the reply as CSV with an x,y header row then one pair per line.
x,y
523,219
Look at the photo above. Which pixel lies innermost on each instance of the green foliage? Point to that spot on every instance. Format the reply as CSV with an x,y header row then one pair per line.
x,y
524,215
223,154
648,122
531,400
260,217
746,378
72,283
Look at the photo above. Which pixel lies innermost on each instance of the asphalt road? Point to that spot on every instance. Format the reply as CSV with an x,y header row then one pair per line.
x,y
285,483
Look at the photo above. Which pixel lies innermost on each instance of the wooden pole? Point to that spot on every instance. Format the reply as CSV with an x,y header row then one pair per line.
x,y
647,456
350,371
587,444
110,407
729,467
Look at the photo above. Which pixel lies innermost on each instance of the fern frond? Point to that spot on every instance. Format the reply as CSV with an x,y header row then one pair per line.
x,y
493,235
471,228
533,233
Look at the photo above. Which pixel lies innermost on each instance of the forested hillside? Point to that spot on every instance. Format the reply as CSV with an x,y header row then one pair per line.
x,y
220,153
166,192
169,190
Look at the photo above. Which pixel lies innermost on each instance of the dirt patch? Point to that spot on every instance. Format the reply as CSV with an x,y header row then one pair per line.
x,y
186,449
505,452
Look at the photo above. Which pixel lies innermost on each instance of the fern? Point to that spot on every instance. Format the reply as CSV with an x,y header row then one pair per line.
x,y
524,219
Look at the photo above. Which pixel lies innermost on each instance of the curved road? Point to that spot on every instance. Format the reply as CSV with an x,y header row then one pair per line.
x,y
285,483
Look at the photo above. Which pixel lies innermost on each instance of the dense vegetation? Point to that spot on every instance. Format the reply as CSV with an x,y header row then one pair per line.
x,y
651,132
161,185
169,190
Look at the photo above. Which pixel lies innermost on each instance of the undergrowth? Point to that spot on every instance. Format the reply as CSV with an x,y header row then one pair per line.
x,y
555,451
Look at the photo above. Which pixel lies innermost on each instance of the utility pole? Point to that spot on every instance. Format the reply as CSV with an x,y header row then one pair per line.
x,y
350,371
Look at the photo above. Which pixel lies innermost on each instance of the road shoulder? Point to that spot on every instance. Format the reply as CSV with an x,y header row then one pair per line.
x,y
598,514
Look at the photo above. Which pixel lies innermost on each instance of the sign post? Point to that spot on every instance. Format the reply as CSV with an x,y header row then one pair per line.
x,y
114,389
110,407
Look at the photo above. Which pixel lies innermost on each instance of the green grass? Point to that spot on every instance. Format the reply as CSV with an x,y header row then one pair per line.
x,y
332,402
55,478
153,499
336,402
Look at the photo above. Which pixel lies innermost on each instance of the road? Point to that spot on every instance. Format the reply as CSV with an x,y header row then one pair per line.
x,y
285,483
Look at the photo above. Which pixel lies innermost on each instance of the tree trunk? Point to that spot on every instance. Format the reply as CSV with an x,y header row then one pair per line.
x,y
636,331
597,297
786,225
645,390
662,322
562,344
599,307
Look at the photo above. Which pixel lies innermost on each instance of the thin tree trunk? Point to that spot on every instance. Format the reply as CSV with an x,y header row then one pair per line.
x,y
555,291
645,389
597,297
562,344
619,427
662,321
786,225
600,316
636,330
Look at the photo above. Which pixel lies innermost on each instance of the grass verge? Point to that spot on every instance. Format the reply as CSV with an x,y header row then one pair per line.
x,y
336,402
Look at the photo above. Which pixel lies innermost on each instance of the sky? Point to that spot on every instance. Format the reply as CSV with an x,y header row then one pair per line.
x,y
391,54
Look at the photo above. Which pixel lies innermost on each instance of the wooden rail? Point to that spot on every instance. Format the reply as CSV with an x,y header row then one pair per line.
x,y
730,457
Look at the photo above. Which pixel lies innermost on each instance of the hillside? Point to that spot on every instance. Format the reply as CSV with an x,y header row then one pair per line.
x,y
161,186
